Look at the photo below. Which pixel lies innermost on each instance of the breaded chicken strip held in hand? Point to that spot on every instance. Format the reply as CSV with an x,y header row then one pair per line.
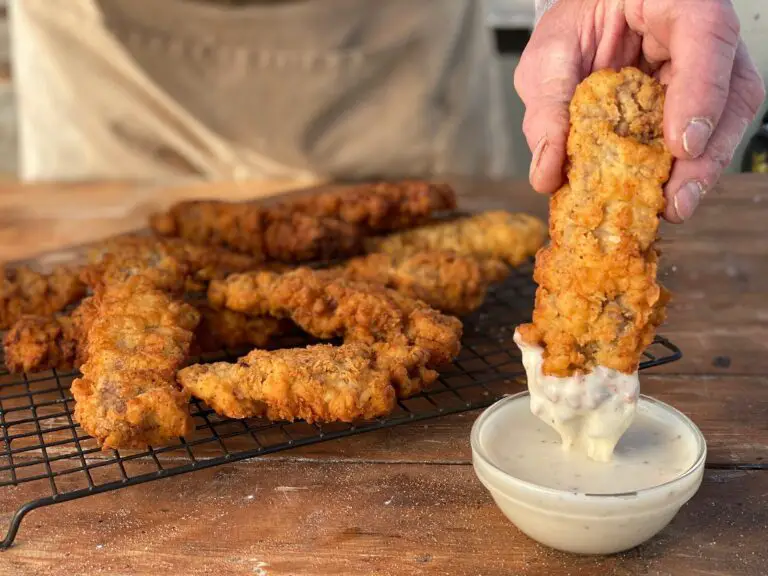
x,y
598,302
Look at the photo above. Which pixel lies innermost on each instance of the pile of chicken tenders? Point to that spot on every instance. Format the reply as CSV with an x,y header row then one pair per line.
x,y
377,267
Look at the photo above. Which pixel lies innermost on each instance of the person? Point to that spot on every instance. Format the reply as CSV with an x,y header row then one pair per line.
x,y
357,89
283,89
693,46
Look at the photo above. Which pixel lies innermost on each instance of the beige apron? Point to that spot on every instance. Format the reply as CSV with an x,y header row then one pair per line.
x,y
331,88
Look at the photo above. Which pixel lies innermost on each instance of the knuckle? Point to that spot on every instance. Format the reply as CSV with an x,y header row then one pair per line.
x,y
719,156
520,78
529,129
752,94
748,95
550,73
714,21
720,88
720,20
558,88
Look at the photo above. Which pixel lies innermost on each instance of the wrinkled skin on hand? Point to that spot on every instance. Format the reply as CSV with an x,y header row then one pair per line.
x,y
693,46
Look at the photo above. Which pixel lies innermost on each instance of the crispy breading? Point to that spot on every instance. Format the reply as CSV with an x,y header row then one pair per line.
x,y
24,291
453,283
379,206
258,231
327,306
598,301
38,343
319,383
219,329
408,337
127,396
168,259
164,270
508,236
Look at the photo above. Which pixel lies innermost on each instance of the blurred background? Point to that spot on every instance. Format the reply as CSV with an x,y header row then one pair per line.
x,y
509,21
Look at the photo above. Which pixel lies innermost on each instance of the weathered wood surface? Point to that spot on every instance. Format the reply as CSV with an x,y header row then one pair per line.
x,y
405,501
38,218
327,517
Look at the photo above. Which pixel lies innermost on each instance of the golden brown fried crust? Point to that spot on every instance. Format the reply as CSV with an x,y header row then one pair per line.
x,y
319,383
220,329
506,236
598,301
260,232
408,337
380,206
24,292
327,306
127,396
452,283
38,343
163,270
173,263
298,237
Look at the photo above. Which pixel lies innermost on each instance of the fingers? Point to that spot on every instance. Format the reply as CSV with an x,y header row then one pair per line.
x,y
700,37
545,79
691,178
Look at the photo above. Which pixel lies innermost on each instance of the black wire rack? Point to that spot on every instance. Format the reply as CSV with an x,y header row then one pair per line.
x,y
47,454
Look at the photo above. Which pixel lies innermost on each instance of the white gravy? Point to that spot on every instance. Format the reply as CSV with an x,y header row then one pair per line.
x,y
589,411
656,448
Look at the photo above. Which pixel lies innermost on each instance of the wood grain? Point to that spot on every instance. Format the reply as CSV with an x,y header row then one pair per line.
x,y
732,412
44,217
310,518
405,500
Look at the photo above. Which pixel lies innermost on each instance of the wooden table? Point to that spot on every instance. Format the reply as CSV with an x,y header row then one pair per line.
x,y
406,501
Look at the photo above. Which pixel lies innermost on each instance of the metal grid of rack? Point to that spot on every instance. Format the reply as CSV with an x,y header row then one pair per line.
x,y
45,450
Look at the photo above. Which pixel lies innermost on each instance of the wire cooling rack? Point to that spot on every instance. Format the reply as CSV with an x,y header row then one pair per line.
x,y
49,457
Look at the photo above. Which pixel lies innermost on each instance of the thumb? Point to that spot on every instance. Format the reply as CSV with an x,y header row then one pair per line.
x,y
545,79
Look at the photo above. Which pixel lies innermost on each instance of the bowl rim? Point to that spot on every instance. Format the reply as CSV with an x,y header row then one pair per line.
x,y
698,462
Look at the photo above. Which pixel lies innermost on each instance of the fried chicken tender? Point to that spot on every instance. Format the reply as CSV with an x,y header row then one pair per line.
x,y
327,306
158,266
170,261
452,283
598,301
321,383
261,232
408,336
127,396
24,291
380,206
228,329
511,237
38,343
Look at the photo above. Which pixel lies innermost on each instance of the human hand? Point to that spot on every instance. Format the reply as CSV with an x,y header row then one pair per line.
x,y
693,46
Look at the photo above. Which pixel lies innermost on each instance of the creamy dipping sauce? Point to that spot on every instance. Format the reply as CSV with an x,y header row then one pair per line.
x,y
589,411
656,448
570,502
